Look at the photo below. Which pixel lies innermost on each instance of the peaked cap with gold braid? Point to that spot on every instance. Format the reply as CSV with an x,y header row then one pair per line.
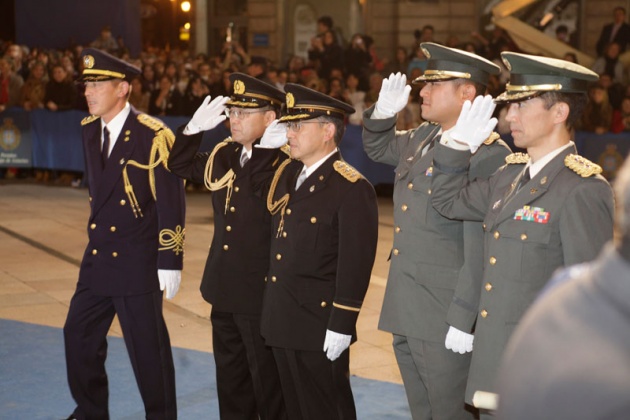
x,y
99,65
249,92
303,103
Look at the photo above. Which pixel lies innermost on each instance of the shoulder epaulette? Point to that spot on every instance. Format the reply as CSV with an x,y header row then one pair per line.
x,y
582,166
493,137
151,122
517,158
228,140
91,118
347,171
286,149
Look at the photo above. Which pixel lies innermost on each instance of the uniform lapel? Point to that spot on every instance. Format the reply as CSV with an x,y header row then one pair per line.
x,y
93,156
316,182
535,188
119,157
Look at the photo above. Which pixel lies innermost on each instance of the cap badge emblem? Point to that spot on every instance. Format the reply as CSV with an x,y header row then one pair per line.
x,y
290,100
239,87
88,61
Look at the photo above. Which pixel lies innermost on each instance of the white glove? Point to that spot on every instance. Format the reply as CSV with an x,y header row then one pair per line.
x,y
393,96
458,341
335,344
275,136
170,280
475,122
207,116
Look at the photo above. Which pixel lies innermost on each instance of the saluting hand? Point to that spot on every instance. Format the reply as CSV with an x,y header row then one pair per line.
x,y
393,96
275,136
475,123
208,115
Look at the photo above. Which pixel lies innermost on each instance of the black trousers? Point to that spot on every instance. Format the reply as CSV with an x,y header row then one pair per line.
x,y
315,388
248,384
147,342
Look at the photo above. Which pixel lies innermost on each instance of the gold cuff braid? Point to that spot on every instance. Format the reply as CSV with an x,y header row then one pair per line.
x,y
172,239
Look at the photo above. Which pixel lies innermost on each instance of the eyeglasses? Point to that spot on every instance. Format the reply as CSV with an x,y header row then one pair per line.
x,y
296,126
241,114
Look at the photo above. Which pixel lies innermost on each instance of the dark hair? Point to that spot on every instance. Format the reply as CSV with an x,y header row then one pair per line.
x,y
340,127
480,88
576,102
326,21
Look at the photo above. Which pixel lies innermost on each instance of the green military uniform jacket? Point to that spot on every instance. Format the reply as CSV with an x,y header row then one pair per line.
x,y
436,263
562,216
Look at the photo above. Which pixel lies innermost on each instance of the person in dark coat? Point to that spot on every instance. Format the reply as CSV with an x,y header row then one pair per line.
x,y
543,210
570,356
324,236
234,276
135,248
618,32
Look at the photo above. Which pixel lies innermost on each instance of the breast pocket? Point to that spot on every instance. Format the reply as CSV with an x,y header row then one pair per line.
x,y
314,233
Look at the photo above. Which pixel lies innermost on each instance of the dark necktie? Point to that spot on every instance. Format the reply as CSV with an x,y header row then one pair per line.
x,y
105,149
524,179
431,144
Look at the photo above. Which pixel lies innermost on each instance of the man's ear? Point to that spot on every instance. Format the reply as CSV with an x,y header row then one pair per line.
x,y
560,112
468,92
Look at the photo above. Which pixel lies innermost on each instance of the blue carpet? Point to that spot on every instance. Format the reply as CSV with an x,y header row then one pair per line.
x,y
33,381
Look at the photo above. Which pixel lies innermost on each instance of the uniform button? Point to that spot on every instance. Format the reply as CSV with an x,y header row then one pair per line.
x,y
114,254
93,226
523,236
90,199
493,261
323,304
410,185
113,228
313,220
265,279
429,192
225,247
278,257
397,229
288,211
123,202
236,189
488,287
94,252
274,279
228,228
497,235
404,207
395,251
232,209
284,234
484,313
483,226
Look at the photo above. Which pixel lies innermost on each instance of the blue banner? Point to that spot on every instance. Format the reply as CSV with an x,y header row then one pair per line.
x,y
15,139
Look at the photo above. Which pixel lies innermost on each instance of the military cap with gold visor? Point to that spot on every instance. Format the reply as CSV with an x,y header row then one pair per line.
x,y
532,75
99,65
446,63
303,103
249,92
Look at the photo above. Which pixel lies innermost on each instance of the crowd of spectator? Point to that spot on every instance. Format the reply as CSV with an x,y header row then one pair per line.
x,y
175,81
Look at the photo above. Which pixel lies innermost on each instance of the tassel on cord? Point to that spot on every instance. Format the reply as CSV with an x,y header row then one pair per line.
x,y
226,180
281,204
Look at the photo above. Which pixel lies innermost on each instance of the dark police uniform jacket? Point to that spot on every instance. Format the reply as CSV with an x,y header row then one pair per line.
x,y
137,215
234,276
436,263
562,216
322,252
